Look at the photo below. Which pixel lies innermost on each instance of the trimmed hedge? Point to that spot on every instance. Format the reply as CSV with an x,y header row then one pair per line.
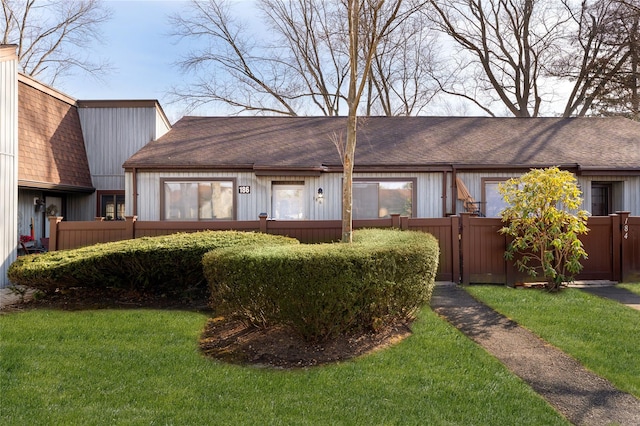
x,y
169,264
327,289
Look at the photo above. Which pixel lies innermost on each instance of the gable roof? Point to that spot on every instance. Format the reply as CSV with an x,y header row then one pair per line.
x,y
395,143
51,151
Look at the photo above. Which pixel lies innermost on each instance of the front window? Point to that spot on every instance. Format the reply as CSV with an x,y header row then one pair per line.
x,y
111,205
493,202
198,200
380,199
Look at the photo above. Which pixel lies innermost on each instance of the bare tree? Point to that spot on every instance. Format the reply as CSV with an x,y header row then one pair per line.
x,y
404,70
54,37
602,59
502,48
313,32
250,81
301,65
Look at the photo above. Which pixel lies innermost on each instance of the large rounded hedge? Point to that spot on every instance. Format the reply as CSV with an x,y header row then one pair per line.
x,y
325,290
170,264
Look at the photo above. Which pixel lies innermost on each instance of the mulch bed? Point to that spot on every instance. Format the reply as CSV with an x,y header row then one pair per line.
x,y
234,342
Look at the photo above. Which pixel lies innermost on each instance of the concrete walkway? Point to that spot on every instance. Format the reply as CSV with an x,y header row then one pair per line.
x,y
621,295
581,396
9,297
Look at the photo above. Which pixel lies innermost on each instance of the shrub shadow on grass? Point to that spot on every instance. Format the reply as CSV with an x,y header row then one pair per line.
x,y
80,298
467,314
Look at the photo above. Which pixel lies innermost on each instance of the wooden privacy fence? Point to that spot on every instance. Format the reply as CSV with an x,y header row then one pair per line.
x,y
471,248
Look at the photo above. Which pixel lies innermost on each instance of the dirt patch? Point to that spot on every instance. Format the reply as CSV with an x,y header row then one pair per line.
x,y
107,298
279,347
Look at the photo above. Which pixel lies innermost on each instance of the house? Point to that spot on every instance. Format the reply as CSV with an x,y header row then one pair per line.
x,y
235,168
61,156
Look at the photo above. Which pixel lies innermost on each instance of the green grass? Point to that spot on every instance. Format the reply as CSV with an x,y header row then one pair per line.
x,y
602,335
632,287
144,367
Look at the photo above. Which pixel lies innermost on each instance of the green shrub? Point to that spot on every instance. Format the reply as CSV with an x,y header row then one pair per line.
x,y
325,290
170,264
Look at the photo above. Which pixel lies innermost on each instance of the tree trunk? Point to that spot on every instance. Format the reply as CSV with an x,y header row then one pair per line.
x,y
347,183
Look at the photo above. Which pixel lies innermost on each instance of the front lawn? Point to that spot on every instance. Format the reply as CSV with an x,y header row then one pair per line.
x,y
144,367
602,334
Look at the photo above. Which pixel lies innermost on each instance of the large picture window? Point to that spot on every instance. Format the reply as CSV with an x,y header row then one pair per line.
x,y
373,199
198,200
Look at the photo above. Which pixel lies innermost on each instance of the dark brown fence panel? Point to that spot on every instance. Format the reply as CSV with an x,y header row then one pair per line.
x,y
446,231
154,228
630,242
600,251
69,235
483,250
307,231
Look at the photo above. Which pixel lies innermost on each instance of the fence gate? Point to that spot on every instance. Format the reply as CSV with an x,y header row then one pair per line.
x,y
483,250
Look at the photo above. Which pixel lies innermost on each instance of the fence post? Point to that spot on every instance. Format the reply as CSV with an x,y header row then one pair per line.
x,y
456,275
53,232
130,226
624,244
395,220
465,247
404,223
263,222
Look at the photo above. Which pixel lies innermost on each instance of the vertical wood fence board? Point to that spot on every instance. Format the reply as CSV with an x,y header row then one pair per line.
x,y
630,242
597,244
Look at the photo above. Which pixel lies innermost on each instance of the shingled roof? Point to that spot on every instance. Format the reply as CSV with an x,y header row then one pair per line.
x,y
400,143
51,149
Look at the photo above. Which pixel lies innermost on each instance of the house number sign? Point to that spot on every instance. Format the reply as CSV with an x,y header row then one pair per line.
x,y
244,189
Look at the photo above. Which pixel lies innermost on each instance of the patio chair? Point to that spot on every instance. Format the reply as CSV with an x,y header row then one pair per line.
x,y
30,250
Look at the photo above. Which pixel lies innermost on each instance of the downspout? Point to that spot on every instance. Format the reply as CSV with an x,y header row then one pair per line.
x,y
444,193
134,183
454,190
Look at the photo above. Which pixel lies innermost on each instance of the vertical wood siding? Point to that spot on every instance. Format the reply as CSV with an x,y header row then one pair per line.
x,y
249,206
8,159
111,136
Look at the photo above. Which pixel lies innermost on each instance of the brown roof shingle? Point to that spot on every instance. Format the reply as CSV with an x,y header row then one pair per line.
x,y
388,142
51,151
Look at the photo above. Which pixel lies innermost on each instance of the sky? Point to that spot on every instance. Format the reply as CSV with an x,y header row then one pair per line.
x,y
142,53
138,45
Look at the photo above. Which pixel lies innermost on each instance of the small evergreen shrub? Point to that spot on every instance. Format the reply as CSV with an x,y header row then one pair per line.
x,y
325,290
170,264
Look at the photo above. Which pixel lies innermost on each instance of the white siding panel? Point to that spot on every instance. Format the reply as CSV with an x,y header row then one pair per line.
x,y
8,159
630,191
